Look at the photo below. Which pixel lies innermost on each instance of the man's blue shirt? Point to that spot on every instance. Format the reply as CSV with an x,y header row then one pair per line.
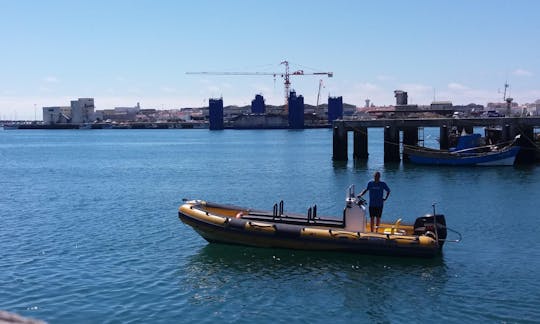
x,y
376,193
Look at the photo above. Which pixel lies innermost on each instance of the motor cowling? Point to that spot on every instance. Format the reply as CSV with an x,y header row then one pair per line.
x,y
431,225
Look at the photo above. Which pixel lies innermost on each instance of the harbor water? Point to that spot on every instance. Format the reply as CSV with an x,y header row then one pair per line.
x,y
90,233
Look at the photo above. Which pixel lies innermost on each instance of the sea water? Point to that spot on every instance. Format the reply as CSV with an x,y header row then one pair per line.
x,y
89,231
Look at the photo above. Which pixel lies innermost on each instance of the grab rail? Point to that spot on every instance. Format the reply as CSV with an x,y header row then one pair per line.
x,y
454,231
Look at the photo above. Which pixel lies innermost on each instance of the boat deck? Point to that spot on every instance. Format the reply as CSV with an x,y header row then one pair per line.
x,y
296,219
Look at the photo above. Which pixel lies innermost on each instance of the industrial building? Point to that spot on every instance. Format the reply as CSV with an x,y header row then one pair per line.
x,y
56,115
215,109
80,111
119,114
296,111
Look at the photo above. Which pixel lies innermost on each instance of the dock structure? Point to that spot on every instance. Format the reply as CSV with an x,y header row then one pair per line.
x,y
510,127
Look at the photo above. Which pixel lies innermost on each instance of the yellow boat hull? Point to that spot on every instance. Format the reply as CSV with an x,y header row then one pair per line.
x,y
236,225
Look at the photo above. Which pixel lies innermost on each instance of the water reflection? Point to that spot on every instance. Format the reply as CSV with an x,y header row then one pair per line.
x,y
261,259
368,286
386,284
392,166
360,164
471,174
339,165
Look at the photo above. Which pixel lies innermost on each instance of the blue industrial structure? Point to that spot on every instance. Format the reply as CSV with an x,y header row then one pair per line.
x,y
216,114
296,111
335,108
257,105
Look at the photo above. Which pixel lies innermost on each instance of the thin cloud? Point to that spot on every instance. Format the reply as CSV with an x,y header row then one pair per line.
x,y
44,89
8,92
264,89
357,93
457,86
366,86
213,89
415,87
51,79
522,72
383,77
168,90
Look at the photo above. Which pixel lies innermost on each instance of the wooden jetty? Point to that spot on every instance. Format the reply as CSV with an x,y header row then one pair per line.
x,y
510,127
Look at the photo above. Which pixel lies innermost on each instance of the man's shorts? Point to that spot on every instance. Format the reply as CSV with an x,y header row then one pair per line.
x,y
375,211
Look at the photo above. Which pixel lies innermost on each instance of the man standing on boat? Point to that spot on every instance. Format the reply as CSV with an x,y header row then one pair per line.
x,y
376,200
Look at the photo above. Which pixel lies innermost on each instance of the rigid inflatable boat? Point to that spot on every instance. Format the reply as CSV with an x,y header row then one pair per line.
x,y
351,232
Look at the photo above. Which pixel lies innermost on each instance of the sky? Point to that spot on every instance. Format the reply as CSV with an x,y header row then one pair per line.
x,y
122,52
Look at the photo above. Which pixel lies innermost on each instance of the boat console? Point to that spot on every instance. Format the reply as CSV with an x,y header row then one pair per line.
x,y
354,214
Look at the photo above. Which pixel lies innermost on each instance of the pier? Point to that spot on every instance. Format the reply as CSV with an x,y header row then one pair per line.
x,y
509,126
102,125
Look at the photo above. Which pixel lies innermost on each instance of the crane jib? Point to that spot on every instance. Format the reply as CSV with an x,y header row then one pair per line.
x,y
285,75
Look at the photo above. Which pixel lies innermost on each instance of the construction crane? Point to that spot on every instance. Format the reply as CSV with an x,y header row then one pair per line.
x,y
319,92
285,75
506,86
508,100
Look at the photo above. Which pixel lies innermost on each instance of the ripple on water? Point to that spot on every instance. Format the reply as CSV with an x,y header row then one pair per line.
x,y
89,232
233,282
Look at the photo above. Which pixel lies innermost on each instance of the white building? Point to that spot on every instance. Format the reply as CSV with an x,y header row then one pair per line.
x,y
82,111
56,115
129,110
118,113
442,105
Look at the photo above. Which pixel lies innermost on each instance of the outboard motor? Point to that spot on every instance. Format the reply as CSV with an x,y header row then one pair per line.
x,y
434,226
354,214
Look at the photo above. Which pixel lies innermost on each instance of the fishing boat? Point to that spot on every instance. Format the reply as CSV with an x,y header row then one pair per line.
x,y
467,153
350,232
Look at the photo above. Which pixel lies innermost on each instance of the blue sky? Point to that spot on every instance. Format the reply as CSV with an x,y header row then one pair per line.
x,y
124,52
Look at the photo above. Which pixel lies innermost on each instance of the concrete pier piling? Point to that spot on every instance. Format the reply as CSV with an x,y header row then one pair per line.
x,y
507,133
443,137
508,128
391,144
410,137
360,143
527,154
340,143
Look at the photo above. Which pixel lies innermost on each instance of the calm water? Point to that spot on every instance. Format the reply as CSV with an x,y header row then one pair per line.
x,y
89,232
